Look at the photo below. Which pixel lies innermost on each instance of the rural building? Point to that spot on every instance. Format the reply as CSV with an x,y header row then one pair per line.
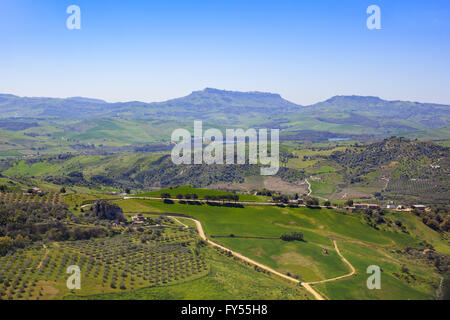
x,y
419,207
114,193
36,190
363,206
139,218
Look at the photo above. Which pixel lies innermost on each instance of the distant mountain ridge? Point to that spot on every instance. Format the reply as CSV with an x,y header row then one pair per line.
x,y
83,99
243,108
379,112
198,102
234,98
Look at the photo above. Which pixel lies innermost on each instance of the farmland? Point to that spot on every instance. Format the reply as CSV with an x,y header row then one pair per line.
x,y
201,193
46,229
107,265
394,168
253,231
227,279
223,150
119,261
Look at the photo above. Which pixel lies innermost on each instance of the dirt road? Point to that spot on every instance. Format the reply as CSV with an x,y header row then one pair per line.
x,y
352,269
43,258
306,285
309,187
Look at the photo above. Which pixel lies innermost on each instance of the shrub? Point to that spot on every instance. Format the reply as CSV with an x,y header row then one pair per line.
x,y
294,236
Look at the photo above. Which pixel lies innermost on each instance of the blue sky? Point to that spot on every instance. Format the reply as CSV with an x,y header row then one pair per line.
x,y
155,50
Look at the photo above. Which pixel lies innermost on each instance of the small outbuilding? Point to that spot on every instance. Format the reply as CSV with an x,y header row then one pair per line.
x,y
139,218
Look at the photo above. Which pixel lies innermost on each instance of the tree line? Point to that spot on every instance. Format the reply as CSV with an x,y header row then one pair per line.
x,y
22,223
194,196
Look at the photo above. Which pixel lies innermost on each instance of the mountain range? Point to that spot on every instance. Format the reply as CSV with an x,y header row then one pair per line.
x,y
341,114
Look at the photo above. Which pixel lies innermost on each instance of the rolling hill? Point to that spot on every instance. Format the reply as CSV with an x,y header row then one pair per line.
x,y
338,114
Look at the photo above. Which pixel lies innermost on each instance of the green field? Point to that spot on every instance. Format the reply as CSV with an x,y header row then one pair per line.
x,y
114,264
200,192
227,279
402,286
252,230
306,260
269,221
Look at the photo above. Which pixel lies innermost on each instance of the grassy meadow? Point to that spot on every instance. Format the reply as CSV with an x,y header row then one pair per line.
x,y
201,193
236,228
227,279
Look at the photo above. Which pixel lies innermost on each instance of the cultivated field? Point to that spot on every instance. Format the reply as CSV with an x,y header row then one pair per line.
x,y
254,231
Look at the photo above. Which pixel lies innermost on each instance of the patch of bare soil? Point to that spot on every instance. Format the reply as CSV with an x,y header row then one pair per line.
x,y
293,258
229,187
270,183
49,290
258,252
277,184
349,194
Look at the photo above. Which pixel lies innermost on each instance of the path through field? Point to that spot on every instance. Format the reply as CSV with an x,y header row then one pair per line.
x,y
309,187
43,258
306,285
352,269
310,191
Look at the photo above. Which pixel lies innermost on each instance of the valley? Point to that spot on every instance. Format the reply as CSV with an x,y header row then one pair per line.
x,y
102,193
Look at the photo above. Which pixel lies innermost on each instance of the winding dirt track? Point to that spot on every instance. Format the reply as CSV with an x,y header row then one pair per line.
x,y
306,285
309,187
352,269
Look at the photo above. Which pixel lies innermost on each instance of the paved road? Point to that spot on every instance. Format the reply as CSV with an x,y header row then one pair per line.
x,y
250,203
192,200
204,201
306,285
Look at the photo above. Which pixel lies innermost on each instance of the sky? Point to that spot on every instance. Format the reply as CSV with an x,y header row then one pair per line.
x,y
154,50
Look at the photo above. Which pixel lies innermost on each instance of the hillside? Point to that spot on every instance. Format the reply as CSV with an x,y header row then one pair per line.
x,y
395,168
340,114
399,150
137,171
206,104
36,126
426,114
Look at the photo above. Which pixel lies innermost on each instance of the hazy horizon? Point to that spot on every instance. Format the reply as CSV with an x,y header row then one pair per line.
x,y
255,91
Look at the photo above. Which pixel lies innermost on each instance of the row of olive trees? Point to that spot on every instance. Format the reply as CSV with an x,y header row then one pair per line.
x,y
194,196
